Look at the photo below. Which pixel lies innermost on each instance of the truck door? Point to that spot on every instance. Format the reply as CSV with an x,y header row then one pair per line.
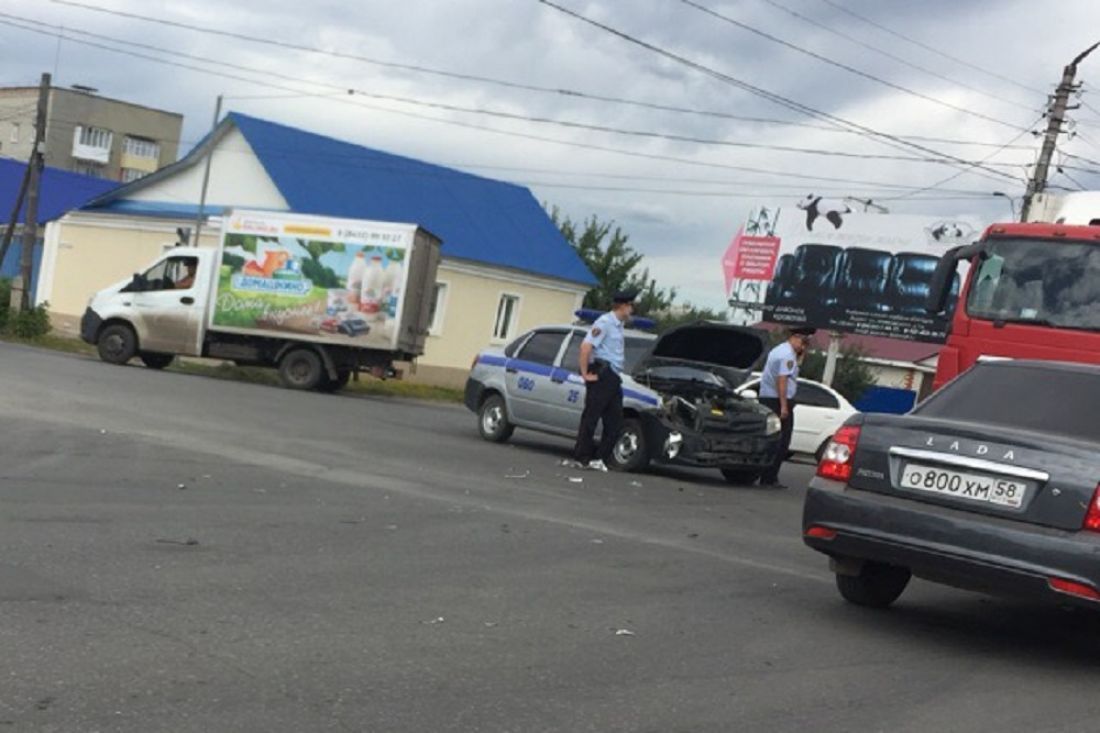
x,y
529,378
167,306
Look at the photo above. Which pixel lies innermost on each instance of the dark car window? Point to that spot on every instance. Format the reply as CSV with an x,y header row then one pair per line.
x,y
814,396
543,347
636,348
511,349
1026,397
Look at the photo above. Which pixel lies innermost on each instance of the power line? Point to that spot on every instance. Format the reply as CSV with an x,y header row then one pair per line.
x,y
845,67
931,49
607,99
894,57
940,159
881,137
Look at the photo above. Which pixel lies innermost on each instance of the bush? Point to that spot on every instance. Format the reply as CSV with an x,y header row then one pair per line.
x,y
29,324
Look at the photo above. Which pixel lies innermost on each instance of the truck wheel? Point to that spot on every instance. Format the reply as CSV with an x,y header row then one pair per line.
x,y
740,476
631,452
492,420
876,586
301,369
156,361
117,344
334,385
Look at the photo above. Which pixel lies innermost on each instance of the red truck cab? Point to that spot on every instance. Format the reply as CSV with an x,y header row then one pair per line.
x,y
1032,292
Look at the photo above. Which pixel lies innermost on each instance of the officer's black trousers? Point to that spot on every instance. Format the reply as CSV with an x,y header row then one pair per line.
x,y
603,400
771,475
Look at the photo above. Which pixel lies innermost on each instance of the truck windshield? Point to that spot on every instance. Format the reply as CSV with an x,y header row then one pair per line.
x,y
1042,281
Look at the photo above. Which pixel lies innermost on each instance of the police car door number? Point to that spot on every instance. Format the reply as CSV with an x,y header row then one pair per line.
x,y
969,486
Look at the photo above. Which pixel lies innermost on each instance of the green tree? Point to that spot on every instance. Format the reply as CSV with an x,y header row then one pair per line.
x,y
614,263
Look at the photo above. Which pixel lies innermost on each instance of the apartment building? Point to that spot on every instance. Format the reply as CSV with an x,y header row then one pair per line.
x,y
90,134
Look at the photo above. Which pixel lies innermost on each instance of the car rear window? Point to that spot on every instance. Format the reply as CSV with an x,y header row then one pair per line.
x,y
1034,398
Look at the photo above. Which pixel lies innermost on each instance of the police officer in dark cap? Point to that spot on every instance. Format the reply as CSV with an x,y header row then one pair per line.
x,y
602,359
778,391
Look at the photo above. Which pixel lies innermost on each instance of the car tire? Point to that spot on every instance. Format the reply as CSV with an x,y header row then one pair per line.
x,y
492,420
156,361
740,476
301,369
876,586
343,376
631,451
117,344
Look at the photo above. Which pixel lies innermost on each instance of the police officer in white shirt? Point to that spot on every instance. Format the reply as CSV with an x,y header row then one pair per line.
x,y
602,359
778,389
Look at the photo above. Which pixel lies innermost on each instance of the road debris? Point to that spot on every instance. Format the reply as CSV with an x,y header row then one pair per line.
x,y
576,480
525,474
189,542
638,484
624,632
434,621
570,463
490,624
181,487
391,527
596,541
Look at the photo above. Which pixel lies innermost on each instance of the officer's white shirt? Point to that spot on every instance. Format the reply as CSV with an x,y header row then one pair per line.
x,y
782,361
608,340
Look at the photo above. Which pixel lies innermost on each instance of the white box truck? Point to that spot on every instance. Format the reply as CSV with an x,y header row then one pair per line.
x,y
318,298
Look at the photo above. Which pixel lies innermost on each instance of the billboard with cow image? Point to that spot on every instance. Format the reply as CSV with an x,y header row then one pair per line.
x,y
820,263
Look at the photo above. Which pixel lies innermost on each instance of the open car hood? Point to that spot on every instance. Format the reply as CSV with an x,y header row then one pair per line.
x,y
703,351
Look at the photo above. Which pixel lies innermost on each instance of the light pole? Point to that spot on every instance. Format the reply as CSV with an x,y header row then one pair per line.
x,y
1011,201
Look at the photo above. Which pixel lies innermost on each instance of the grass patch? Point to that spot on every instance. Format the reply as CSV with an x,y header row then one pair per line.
x,y
408,390
225,370
53,342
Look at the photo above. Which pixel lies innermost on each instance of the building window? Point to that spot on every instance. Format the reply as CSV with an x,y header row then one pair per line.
x,y
129,175
438,311
507,315
95,137
89,169
15,132
140,147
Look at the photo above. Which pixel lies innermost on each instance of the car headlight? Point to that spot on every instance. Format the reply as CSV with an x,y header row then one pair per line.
x,y
772,424
673,444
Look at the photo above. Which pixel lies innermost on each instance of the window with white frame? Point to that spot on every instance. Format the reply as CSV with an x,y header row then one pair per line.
x,y
141,147
15,132
95,137
89,169
438,311
507,315
129,175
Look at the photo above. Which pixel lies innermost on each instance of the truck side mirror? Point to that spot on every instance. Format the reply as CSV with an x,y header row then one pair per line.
x,y
942,278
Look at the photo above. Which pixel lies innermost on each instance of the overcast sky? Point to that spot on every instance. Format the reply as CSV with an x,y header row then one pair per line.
x,y
1006,56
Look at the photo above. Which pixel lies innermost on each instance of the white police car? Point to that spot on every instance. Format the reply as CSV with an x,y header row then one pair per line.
x,y
679,402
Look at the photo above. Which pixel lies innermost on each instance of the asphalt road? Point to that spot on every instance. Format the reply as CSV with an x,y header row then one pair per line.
x,y
186,554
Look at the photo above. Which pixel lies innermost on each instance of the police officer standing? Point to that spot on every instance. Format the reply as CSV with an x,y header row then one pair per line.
x,y
603,355
778,388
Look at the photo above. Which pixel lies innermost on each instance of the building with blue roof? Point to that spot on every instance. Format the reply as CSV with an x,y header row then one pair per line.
x,y
505,266
60,191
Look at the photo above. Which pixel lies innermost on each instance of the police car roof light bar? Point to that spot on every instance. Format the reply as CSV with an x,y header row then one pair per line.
x,y
589,315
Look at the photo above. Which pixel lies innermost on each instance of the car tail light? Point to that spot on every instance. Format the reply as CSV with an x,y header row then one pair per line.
x,y
821,533
1074,588
1092,516
836,461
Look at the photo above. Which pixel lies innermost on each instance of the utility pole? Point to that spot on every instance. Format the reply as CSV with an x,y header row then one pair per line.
x,y
1055,117
34,183
206,175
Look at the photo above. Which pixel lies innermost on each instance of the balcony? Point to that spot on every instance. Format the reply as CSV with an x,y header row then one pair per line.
x,y
92,144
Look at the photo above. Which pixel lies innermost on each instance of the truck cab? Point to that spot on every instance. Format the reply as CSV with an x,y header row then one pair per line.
x,y
156,313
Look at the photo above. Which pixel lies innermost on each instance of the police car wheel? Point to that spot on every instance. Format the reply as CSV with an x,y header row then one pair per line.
x,y
492,420
631,453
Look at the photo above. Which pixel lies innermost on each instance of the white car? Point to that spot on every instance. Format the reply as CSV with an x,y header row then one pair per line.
x,y
818,412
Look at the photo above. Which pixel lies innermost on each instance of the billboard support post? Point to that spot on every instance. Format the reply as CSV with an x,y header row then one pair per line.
x,y
831,355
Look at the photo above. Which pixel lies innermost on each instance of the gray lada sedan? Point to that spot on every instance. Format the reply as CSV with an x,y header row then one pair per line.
x,y
989,485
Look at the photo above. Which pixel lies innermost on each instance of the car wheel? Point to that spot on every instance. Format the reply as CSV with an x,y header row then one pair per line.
x,y
631,452
343,376
156,361
492,420
740,476
117,344
876,586
301,369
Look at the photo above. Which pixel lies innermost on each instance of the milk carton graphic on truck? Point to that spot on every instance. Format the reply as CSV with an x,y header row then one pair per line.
x,y
308,295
